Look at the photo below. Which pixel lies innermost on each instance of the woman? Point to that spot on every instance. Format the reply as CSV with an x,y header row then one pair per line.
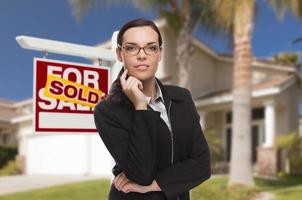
x,y
151,130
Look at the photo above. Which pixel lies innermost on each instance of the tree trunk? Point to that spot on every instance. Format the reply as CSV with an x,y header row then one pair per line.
x,y
184,53
241,153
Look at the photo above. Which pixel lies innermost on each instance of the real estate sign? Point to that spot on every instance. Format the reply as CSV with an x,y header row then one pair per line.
x,y
65,95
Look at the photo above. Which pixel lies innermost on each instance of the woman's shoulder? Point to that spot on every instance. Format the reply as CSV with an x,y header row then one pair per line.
x,y
104,112
110,109
109,114
101,107
105,107
176,88
177,91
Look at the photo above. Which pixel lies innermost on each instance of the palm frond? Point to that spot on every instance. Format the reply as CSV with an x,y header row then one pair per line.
x,y
144,4
281,6
296,7
173,19
297,40
81,7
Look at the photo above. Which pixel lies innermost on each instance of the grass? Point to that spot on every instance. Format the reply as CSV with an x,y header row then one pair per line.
x,y
91,190
286,188
216,189
293,193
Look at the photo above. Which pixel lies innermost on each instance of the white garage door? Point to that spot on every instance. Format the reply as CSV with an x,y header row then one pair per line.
x,y
67,154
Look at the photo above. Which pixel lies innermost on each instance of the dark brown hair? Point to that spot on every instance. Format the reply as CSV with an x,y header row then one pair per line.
x,y
137,23
115,94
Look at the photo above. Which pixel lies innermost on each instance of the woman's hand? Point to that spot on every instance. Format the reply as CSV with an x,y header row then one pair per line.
x,y
134,187
133,87
122,183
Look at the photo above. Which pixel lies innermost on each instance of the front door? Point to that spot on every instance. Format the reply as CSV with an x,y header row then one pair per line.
x,y
255,142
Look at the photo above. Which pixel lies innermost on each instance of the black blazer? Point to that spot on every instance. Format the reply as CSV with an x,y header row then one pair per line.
x,y
144,148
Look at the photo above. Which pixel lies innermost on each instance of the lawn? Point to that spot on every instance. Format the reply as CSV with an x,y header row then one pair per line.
x,y
288,188
215,189
91,190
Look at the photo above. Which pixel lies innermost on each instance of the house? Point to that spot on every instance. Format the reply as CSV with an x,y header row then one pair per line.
x,y
15,122
276,94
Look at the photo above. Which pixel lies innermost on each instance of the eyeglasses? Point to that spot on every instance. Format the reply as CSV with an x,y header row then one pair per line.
x,y
134,49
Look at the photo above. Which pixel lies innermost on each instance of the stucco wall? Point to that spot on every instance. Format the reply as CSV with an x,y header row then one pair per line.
x,y
203,74
289,107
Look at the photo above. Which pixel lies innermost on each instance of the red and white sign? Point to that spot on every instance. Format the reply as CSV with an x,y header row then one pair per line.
x,y
65,94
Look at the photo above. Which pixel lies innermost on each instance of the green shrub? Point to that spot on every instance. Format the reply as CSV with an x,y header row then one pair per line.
x,y
219,165
7,153
291,145
11,168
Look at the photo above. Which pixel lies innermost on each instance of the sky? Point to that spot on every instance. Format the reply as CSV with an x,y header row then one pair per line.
x,y
54,20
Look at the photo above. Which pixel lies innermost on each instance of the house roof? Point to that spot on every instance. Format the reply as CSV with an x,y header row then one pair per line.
x,y
14,104
265,88
14,112
266,63
16,119
6,101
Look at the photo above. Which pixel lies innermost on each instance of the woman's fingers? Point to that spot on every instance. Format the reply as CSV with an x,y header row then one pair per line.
x,y
123,183
123,78
140,85
133,187
129,83
120,181
133,88
117,181
128,187
133,82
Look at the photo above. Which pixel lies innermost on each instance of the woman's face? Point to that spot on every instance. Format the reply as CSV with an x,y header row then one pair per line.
x,y
143,64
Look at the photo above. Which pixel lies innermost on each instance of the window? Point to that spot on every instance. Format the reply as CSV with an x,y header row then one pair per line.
x,y
228,117
257,113
5,138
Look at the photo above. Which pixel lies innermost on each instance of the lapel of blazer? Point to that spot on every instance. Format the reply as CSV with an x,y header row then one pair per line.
x,y
170,93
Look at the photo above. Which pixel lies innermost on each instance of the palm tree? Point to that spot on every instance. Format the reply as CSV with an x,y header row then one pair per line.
x,y
239,16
